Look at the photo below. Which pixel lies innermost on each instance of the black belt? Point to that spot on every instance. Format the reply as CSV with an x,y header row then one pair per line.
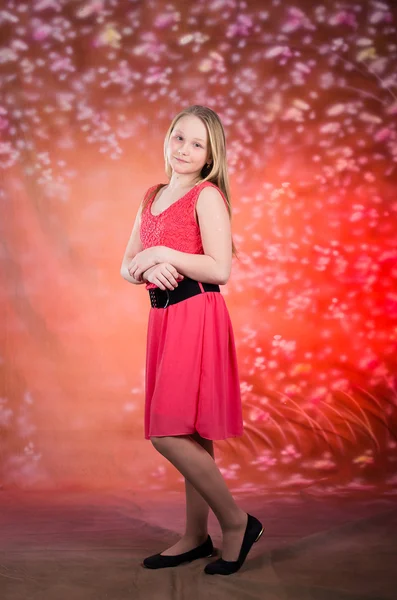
x,y
186,289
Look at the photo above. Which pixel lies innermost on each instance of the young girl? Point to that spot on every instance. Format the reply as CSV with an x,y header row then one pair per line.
x,y
181,247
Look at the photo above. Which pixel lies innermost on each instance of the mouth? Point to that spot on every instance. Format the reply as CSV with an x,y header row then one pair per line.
x,y
180,160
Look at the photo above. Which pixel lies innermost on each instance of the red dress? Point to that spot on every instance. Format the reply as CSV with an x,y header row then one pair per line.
x,y
192,381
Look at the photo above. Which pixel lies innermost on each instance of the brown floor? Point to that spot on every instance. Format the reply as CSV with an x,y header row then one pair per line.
x,y
88,546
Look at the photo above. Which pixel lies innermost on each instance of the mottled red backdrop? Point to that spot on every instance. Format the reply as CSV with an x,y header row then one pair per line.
x,y
308,96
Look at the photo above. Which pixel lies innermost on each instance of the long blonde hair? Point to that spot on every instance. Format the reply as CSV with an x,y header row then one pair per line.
x,y
216,172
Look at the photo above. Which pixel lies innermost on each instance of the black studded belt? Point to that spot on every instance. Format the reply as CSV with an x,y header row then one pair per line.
x,y
186,289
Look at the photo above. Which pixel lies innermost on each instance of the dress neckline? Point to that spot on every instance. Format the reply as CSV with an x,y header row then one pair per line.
x,y
176,201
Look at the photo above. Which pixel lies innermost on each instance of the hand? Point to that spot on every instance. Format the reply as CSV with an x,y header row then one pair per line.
x,y
164,275
142,262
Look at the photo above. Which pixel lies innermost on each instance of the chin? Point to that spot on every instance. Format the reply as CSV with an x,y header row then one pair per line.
x,y
179,167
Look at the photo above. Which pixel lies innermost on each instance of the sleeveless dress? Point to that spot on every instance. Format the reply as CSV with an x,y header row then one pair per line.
x,y
191,379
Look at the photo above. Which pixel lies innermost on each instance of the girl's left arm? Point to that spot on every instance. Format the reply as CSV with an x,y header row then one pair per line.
x,y
214,266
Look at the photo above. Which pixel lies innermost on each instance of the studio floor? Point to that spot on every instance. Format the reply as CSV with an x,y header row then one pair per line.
x,y
89,546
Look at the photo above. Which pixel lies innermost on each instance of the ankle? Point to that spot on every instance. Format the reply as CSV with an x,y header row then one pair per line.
x,y
196,538
235,522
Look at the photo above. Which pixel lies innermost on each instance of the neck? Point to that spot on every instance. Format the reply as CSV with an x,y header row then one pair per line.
x,y
179,181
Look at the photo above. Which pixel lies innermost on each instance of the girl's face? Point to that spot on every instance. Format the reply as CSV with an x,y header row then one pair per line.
x,y
187,150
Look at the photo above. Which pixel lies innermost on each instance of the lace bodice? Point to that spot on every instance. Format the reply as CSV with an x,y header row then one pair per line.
x,y
176,226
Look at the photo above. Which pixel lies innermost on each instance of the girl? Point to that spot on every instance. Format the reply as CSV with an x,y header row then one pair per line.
x,y
181,247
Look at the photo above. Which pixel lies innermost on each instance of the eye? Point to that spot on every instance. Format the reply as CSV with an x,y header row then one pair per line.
x,y
199,145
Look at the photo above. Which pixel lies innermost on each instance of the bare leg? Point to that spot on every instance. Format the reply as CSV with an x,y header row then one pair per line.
x,y
200,469
197,511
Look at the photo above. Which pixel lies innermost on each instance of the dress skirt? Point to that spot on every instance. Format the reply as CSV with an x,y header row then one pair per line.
x,y
192,380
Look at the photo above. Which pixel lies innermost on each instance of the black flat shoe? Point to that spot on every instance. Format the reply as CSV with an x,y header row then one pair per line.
x,y
159,561
252,534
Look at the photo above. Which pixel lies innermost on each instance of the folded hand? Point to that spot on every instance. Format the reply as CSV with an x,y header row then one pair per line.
x,y
164,275
142,262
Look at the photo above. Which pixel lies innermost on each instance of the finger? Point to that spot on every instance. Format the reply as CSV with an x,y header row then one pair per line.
x,y
176,274
173,271
166,282
157,282
171,278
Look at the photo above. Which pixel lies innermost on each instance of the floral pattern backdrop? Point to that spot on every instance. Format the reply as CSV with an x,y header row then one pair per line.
x,y
307,92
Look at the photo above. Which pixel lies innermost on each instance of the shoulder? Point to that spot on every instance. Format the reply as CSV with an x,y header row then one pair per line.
x,y
210,197
212,207
150,194
153,189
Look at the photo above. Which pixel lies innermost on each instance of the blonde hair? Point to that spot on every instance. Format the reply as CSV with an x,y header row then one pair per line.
x,y
216,172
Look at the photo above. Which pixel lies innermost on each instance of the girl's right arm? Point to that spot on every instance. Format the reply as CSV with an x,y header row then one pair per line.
x,y
133,247
164,274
